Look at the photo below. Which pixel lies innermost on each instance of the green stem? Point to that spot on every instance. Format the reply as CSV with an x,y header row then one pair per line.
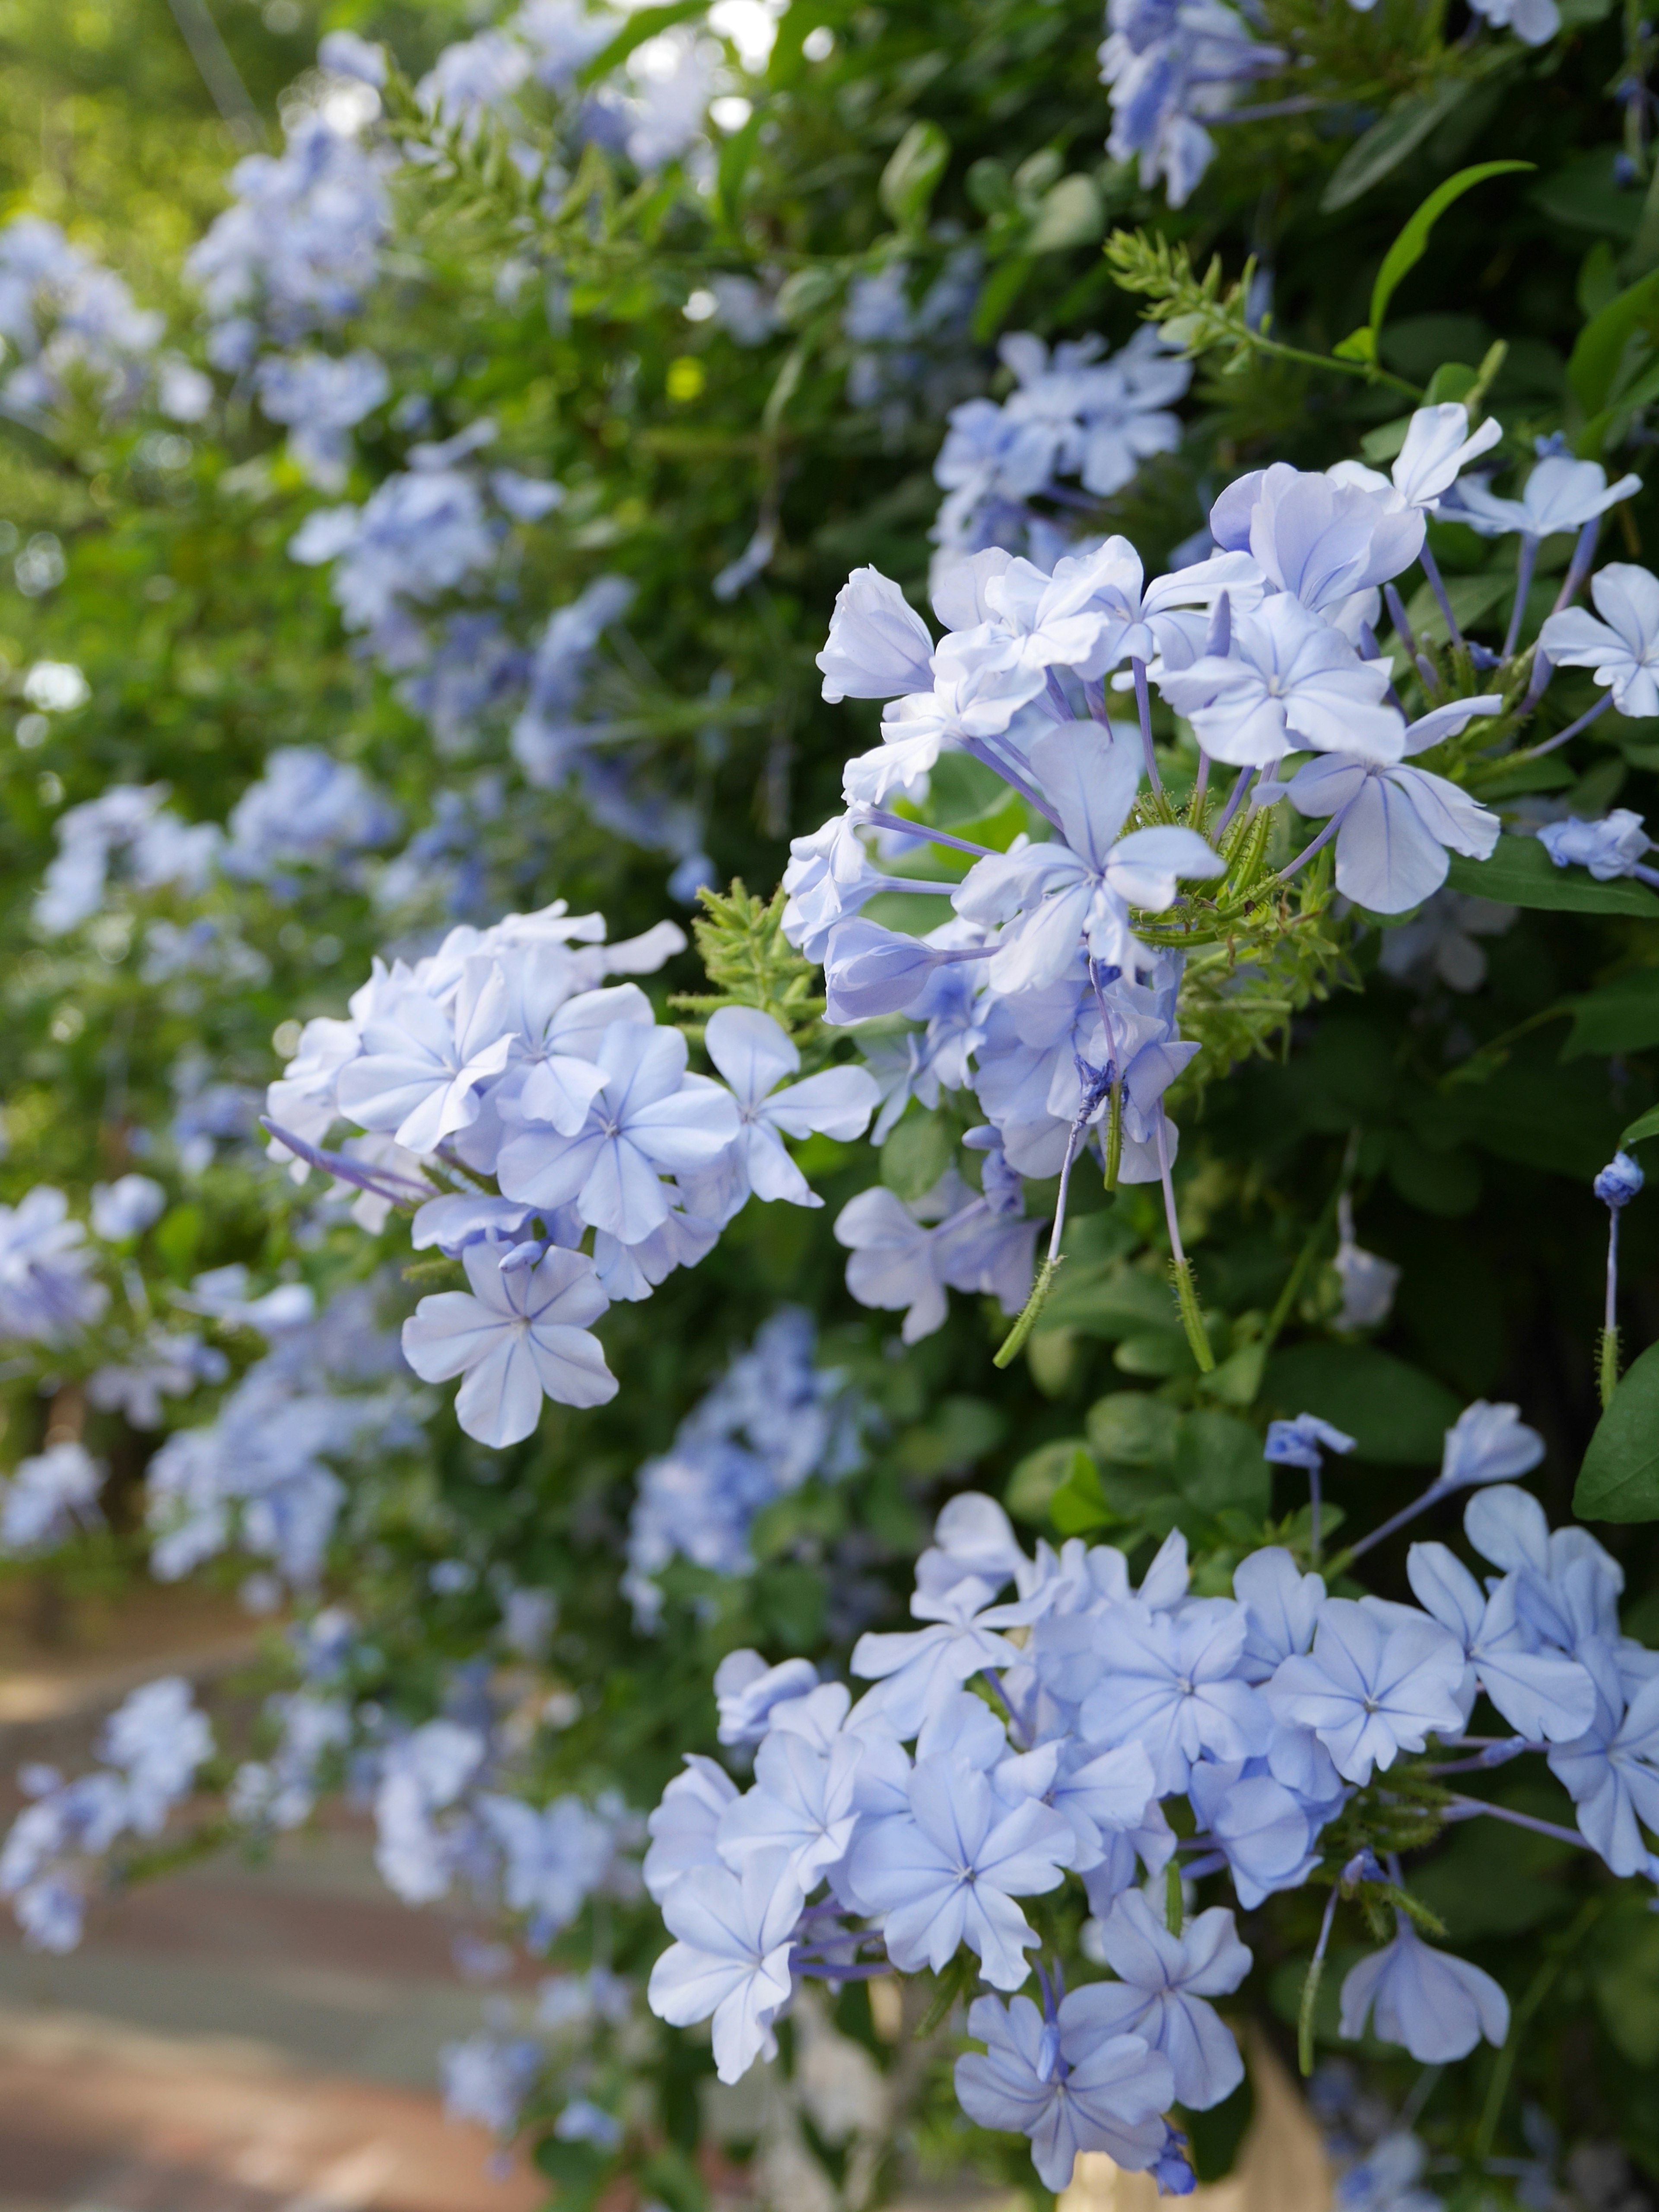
x,y
1368,370
1606,1365
1014,1341
1192,1314
1174,1909
1542,1982
1115,1135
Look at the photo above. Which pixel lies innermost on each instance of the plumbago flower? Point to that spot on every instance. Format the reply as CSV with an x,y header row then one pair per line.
x,y
505,1055
1010,1746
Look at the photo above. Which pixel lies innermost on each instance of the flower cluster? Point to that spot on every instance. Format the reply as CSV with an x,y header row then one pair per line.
x,y
773,1421
505,1055
1072,414
151,1749
1010,1743
78,334
1173,66
257,1474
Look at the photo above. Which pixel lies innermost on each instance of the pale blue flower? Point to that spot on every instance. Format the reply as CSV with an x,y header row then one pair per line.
x,y
684,1824
746,1689
1069,2085
554,1856
1609,848
731,1956
1619,1182
1303,1443
802,1804
321,399
755,1056
488,2078
51,1493
126,1207
1288,681
649,1119
1059,896
1561,493
1437,2006
1261,1827
1164,1983
878,645
515,1338
1319,539
1372,1686
47,1294
1540,1694
1488,1443
1612,1771
1623,648
949,1872
1170,1682
1170,64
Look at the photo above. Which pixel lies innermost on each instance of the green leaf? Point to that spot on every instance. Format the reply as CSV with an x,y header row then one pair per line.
x,y
1073,213
1131,1428
917,1153
1622,1016
736,157
1620,1478
1218,1464
998,295
635,33
1599,348
1396,1413
1521,873
1412,244
912,173
1586,195
1624,1975
1038,1478
1646,1124
1079,1504
1111,1302
1381,150
1358,345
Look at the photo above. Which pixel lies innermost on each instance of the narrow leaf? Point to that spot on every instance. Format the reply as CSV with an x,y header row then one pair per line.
x,y
1521,873
1595,357
1387,143
1412,244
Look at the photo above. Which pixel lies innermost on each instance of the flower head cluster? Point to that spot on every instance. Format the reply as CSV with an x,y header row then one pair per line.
x,y
151,1748
77,331
505,1055
773,1420
1174,65
927,1810
258,1474
306,809
298,246
49,1495
132,822
47,1292
1072,414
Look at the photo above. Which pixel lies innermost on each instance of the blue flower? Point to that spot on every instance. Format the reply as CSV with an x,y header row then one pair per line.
x,y
1071,2085
1437,2006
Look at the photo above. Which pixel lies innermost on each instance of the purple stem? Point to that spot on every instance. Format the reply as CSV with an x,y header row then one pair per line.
x,y
1466,1809
1307,851
1538,682
1578,567
1094,694
1197,807
1537,752
1246,777
1002,1697
1431,681
1176,1253
981,749
1523,568
383,1182
815,1974
1144,708
1402,628
1314,1501
879,820
1431,570
1432,1496
1612,1270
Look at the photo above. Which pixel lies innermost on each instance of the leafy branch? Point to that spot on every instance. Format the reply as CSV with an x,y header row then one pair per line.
x,y
750,962
1200,316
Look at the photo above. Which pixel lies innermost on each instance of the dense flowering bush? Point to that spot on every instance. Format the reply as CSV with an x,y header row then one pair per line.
x,y
1180,481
